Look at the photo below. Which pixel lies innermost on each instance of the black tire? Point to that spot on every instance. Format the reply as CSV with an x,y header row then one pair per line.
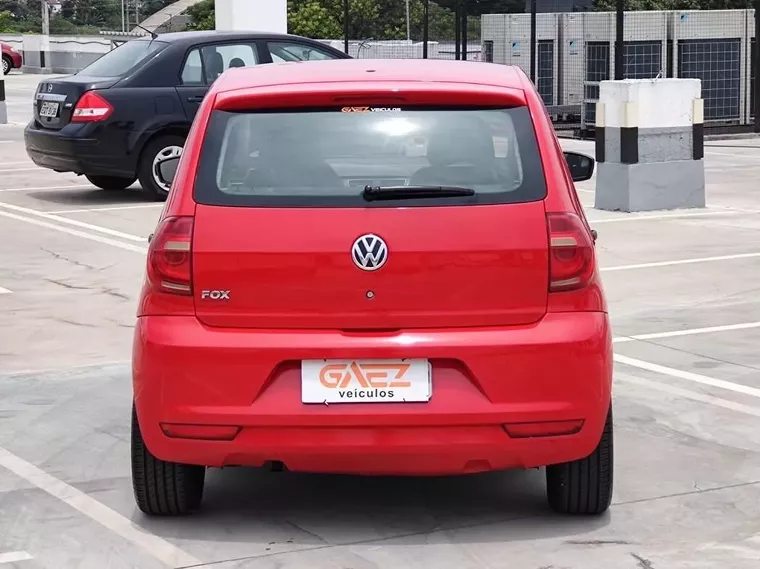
x,y
7,65
584,487
163,488
145,167
111,182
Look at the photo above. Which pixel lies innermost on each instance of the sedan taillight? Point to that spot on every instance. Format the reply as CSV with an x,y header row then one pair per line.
x,y
91,107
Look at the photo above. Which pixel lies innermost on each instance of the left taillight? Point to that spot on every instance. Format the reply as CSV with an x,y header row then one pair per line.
x,y
91,107
170,255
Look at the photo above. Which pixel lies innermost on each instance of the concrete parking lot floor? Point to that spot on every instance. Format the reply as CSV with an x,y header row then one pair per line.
x,y
684,301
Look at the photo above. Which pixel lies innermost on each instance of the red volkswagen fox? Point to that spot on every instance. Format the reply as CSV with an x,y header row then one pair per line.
x,y
373,267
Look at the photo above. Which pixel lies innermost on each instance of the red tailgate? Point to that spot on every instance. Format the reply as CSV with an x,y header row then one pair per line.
x,y
446,267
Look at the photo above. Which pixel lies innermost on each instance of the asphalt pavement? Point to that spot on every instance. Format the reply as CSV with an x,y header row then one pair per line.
x,y
682,288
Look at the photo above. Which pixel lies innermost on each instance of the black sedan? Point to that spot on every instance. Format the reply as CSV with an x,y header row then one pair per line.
x,y
119,118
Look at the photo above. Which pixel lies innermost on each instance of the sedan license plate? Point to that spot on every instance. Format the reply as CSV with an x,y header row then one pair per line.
x,y
365,381
49,110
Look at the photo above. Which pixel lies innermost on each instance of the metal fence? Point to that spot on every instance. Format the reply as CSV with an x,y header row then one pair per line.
x,y
568,47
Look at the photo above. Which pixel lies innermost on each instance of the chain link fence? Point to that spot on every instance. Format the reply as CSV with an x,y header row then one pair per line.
x,y
568,47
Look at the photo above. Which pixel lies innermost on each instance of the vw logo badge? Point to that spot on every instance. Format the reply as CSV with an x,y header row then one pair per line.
x,y
369,252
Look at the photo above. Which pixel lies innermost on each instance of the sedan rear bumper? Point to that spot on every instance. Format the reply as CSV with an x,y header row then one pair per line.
x,y
74,149
502,398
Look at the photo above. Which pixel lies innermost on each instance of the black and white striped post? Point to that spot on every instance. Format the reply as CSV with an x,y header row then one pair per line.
x,y
650,145
3,106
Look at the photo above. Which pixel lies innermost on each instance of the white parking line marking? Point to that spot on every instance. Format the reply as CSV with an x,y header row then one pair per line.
x,y
7,141
733,154
30,371
691,332
90,236
688,394
680,262
688,376
35,169
74,222
14,556
41,188
585,191
139,239
5,291
671,216
159,548
112,208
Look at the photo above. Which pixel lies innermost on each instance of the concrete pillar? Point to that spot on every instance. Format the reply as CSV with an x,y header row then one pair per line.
x,y
650,145
36,54
252,15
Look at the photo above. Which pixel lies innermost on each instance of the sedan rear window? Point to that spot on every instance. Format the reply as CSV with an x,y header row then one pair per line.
x,y
123,59
329,157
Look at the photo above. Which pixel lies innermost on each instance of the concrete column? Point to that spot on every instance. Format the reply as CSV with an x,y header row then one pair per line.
x,y
36,54
252,15
650,145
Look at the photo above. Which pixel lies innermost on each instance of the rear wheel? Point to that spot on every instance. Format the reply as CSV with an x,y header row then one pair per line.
x,y
584,486
163,488
111,182
157,150
7,65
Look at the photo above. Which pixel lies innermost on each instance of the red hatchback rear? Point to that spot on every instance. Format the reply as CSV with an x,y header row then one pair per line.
x,y
373,267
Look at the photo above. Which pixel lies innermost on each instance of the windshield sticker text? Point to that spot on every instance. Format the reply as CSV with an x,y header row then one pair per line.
x,y
370,110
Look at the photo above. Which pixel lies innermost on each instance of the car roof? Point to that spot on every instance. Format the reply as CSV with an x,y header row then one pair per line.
x,y
208,35
371,70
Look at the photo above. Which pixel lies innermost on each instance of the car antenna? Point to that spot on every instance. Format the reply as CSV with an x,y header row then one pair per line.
x,y
153,34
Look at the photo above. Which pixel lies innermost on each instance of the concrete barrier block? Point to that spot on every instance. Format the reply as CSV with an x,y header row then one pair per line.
x,y
650,145
248,15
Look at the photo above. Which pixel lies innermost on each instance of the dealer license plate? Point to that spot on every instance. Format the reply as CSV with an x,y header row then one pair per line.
x,y
365,381
49,110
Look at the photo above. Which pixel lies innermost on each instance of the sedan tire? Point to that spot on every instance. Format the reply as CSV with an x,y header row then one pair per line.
x,y
111,182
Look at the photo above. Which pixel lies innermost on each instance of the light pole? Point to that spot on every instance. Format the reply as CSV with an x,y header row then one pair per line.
x,y
123,18
345,25
408,23
45,19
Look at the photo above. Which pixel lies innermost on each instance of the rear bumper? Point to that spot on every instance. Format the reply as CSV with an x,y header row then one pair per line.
x,y
557,370
76,148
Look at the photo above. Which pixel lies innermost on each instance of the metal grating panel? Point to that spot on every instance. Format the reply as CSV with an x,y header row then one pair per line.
x,y
716,62
642,59
753,53
545,71
597,70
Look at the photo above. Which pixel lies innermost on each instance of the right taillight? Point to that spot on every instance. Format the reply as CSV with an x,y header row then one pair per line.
x,y
571,252
170,256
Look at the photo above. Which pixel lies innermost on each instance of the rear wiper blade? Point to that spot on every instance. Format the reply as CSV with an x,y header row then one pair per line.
x,y
375,193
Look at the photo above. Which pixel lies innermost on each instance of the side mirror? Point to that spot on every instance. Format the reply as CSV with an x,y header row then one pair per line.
x,y
581,166
168,169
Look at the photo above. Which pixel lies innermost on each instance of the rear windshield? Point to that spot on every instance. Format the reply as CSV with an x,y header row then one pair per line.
x,y
123,59
326,157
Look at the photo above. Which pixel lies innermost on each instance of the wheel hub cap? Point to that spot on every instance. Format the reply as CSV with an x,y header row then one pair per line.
x,y
165,154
